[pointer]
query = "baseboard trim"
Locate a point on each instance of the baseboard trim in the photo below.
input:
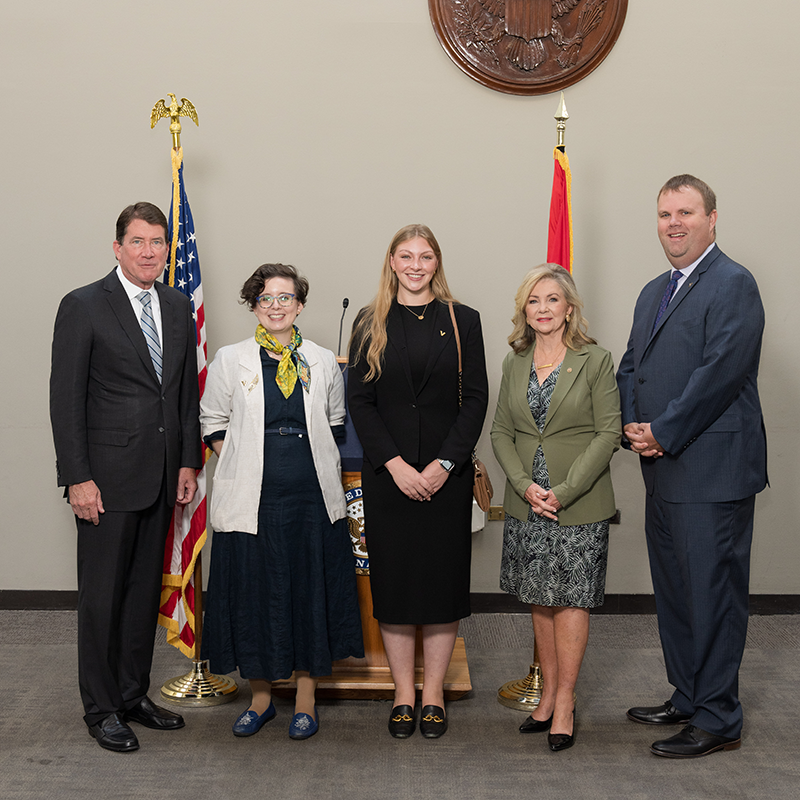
(482, 603)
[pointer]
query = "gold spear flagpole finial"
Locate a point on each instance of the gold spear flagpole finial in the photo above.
(173, 111)
(561, 118)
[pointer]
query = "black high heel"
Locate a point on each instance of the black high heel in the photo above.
(532, 725)
(562, 741)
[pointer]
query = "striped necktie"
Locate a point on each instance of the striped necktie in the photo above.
(150, 331)
(668, 292)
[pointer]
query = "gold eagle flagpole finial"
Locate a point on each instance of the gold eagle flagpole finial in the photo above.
(173, 111)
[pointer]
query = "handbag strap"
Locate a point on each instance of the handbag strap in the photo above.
(458, 345)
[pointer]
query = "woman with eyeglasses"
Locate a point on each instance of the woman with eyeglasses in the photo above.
(282, 588)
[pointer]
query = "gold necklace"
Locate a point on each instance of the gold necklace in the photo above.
(545, 366)
(418, 316)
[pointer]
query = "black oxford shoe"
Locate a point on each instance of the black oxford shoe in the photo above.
(693, 742)
(401, 722)
(113, 734)
(147, 713)
(665, 714)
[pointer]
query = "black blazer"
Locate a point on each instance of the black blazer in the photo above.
(112, 421)
(392, 418)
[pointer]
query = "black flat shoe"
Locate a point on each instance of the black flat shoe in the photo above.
(665, 714)
(112, 733)
(401, 722)
(532, 725)
(147, 713)
(433, 723)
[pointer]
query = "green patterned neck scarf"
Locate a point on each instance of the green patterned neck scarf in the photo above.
(293, 364)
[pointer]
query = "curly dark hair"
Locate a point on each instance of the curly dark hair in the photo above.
(254, 285)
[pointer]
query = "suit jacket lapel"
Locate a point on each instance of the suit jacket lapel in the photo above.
(573, 363)
(397, 340)
(687, 287)
(121, 306)
(518, 388)
(441, 335)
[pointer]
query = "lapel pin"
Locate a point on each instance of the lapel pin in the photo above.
(441, 333)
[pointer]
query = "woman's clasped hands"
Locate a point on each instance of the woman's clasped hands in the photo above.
(417, 485)
(542, 501)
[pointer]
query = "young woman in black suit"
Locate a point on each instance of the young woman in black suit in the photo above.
(418, 436)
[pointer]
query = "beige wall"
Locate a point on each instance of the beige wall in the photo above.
(324, 127)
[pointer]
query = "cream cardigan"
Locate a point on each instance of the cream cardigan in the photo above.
(233, 401)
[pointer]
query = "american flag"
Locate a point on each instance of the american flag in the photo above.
(187, 533)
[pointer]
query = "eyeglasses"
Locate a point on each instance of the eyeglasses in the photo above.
(266, 300)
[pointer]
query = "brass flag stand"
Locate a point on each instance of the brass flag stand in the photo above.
(524, 694)
(199, 687)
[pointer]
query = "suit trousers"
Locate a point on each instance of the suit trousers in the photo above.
(700, 565)
(120, 563)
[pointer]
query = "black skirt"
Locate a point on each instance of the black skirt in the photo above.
(419, 552)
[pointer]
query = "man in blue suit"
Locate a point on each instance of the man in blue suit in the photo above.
(690, 409)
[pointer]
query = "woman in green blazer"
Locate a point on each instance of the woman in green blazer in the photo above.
(556, 427)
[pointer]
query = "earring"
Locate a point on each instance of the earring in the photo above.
(567, 317)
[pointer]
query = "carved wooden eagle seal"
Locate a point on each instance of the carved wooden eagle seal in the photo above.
(527, 46)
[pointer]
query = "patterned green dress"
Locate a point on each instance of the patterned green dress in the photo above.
(543, 563)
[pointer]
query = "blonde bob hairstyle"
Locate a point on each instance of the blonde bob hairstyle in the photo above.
(575, 333)
(369, 333)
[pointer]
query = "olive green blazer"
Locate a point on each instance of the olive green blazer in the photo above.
(581, 433)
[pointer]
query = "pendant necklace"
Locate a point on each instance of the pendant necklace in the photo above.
(418, 316)
(545, 366)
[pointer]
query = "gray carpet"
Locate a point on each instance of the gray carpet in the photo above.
(45, 750)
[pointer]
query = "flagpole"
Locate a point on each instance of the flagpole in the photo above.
(182, 593)
(524, 694)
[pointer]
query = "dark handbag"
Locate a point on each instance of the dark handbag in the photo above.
(481, 485)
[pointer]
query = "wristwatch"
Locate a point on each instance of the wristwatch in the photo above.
(447, 465)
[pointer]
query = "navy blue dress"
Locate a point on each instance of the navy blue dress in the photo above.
(285, 598)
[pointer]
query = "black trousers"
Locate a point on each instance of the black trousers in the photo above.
(120, 563)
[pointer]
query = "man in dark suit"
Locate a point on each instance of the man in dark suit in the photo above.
(690, 409)
(124, 410)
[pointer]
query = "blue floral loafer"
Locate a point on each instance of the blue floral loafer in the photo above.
(249, 722)
(304, 726)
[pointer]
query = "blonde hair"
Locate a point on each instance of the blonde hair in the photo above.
(369, 334)
(575, 331)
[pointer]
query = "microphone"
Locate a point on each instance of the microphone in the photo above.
(345, 303)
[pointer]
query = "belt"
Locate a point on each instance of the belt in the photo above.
(286, 432)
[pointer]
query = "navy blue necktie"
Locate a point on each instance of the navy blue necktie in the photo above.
(668, 292)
